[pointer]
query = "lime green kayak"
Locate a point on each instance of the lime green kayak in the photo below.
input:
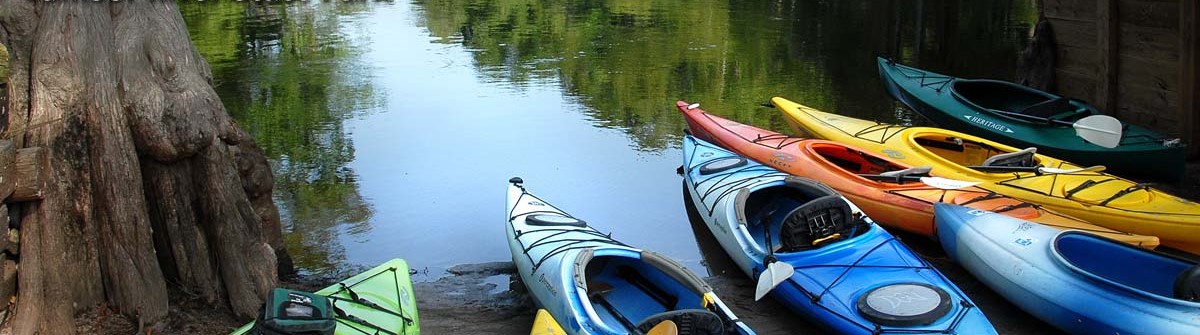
(387, 287)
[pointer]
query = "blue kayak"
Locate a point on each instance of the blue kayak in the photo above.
(850, 275)
(592, 284)
(1078, 282)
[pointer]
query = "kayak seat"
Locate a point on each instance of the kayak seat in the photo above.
(1023, 158)
(689, 321)
(1187, 285)
(816, 221)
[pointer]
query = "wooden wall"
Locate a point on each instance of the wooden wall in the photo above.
(1134, 59)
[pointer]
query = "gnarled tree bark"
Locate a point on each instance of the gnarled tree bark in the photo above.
(149, 180)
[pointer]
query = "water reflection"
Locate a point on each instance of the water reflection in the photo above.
(628, 61)
(393, 126)
(291, 75)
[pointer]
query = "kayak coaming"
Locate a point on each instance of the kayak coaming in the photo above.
(1019, 260)
(809, 291)
(561, 276)
(400, 295)
(936, 96)
(907, 206)
(1175, 221)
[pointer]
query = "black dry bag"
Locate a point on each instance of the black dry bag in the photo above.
(288, 312)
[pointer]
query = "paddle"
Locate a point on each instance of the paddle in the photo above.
(667, 327)
(938, 182)
(1102, 130)
(774, 271)
(1036, 169)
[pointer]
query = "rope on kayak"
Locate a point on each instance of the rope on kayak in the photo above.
(1131, 189)
(880, 127)
(925, 79)
(784, 140)
(721, 179)
(875, 328)
(568, 244)
(356, 299)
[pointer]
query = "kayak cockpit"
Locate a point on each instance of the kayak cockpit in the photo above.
(1006, 97)
(628, 290)
(854, 161)
(799, 215)
(977, 155)
(1119, 264)
(867, 165)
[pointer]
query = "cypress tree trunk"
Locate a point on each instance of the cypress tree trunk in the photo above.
(148, 178)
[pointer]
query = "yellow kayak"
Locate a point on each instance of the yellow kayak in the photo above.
(1086, 193)
(544, 324)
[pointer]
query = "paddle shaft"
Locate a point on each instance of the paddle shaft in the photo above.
(1049, 120)
(1030, 117)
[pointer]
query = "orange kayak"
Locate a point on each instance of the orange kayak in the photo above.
(887, 191)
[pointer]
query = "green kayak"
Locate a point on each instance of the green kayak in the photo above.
(1023, 117)
(387, 287)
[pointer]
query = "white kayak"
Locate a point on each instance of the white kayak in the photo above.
(1078, 282)
(592, 284)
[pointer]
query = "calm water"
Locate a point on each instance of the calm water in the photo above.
(394, 126)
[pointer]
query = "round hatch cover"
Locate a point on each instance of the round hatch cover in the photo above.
(904, 304)
(553, 220)
(722, 164)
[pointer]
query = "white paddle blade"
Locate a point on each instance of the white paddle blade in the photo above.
(947, 184)
(1086, 169)
(1102, 130)
(775, 274)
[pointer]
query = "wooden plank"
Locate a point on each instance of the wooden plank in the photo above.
(27, 171)
(1149, 74)
(1078, 60)
(1189, 84)
(8, 156)
(1149, 107)
(1078, 10)
(1075, 85)
(1074, 34)
(1149, 13)
(1149, 43)
(1106, 47)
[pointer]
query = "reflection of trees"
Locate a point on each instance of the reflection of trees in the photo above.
(629, 60)
(291, 78)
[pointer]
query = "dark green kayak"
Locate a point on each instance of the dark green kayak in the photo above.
(1023, 117)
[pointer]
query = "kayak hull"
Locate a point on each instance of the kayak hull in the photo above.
(1018, 260)
(907, 206)
(1133, 208)
(829, 281)
(387, 285)
(938, 98)
(592, 284)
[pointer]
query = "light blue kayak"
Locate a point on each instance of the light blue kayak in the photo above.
(1078, 282)
(592, 284)
(846, 273)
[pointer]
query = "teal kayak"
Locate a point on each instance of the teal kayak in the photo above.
(592, 284)
(1024, 117)
(377, 301)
